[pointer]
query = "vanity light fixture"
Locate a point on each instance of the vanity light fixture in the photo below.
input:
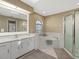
(13, 7)
(7, 4)
(20, 9)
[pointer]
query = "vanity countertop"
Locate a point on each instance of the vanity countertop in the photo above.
(12, 33)
(7, 37)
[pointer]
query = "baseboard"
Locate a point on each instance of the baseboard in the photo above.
(28, 53)
(69, 53)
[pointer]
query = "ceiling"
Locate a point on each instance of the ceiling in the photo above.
(49, 7)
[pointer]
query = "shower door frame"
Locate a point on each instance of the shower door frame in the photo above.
(73, 30)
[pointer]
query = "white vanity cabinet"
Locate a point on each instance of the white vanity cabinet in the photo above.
(24, 46)
(31, 44)
(16, 46)
(27, 45)
(21, 47)
(5, 51)
(15, 49)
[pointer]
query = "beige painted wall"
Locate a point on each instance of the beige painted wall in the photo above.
(4, 23)
(33, 18)
(54, 23)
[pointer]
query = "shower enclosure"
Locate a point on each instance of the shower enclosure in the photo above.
(71, 31)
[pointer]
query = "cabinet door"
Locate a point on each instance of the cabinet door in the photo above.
(4, 51)
(24, 46)
(15, 48)
(31, 44)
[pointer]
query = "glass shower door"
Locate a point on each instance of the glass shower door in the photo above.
(69, 33)
(76, 34)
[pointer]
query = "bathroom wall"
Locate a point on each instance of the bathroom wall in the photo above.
(33, 18)
(54, 23)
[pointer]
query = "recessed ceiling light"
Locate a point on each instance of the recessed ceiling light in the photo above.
(44, 12)
(34, 1)
(77, 4)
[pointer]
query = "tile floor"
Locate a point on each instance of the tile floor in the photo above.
(46, 54)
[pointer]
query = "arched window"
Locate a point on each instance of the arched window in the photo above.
(39, 25)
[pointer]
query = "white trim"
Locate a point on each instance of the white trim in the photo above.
(28, 23)
(63, 24)
(63, 30)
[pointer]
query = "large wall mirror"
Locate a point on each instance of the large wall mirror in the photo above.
(13, 18)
